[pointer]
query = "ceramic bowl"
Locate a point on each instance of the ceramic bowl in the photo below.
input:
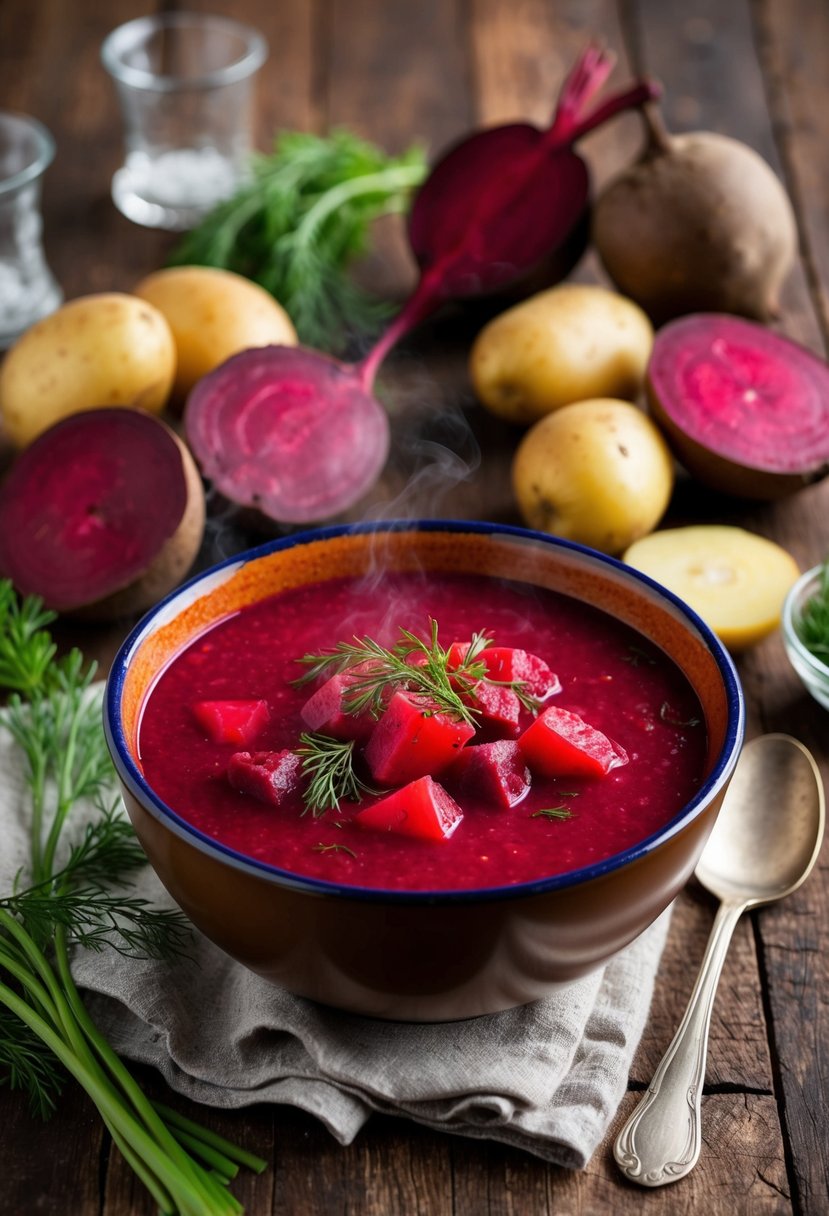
(421, 955)
(813, 673)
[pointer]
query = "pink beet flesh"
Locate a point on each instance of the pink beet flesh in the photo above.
(89, 505)
(287, 431)
(743, 392)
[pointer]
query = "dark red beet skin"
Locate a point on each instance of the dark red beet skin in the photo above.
(89, 506)
(502, 199)
(746, 410)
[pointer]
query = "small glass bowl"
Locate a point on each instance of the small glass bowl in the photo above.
(812, 671)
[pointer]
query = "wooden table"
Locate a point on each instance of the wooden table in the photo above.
(397, 71)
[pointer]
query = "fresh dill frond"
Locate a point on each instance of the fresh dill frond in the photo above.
(334, 848)
(26, 1063)
(328, 764)
(299, 222)
(412, 664)
(26, 648)
(94, 918)
(553, 812)
(54, 717)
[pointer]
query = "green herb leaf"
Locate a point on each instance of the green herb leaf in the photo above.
(334, 848)
(813, 625)
(26, 1063)
(299, 223)
(44, 1026)
(553, 812)
(412, 664)
(26, 649)
(329, 766)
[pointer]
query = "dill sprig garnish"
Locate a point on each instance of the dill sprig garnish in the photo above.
(45, 1029)
(329, 766)
(26, 649)
(334, 848)
(553, 812)
(413, 664)
(813, 624)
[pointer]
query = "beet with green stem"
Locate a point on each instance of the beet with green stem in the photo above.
(504, 198)
(744, 409)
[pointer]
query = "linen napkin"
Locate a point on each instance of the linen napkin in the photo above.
(546, 1077)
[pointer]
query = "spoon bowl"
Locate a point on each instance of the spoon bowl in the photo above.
(768, 833)
(763, 846)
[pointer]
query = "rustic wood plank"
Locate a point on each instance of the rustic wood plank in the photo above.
(288, 95)
(253, 1129)
(738, 1047)
(793, 41)
(741, 1170)
(53, 1161)
(712, 85)
(380, 83)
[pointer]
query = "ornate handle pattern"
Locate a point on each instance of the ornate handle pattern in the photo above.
(661, 1140)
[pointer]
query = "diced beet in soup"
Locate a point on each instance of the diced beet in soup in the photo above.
(611, 678)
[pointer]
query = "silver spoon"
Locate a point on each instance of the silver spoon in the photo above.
(763, 846)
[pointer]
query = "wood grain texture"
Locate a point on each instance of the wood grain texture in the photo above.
(793, 44)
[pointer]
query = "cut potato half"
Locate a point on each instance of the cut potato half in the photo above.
(735, 580)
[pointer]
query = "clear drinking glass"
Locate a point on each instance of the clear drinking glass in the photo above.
(28, 290)
(184, 82)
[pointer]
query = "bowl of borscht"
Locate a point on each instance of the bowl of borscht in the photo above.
(423, 771)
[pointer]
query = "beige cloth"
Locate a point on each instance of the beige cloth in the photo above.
(547, 1077)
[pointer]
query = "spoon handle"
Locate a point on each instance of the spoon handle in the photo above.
(661, 1140)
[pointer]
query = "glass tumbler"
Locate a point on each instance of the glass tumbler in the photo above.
(185, 84)
(28, 290)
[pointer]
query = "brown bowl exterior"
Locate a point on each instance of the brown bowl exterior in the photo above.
(422, 957)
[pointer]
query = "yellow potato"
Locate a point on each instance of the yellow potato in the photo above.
(571, 343)
(736, 581)
(213, 314)
(108, 349)
(597, 472)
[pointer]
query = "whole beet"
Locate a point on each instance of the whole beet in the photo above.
(701, 223)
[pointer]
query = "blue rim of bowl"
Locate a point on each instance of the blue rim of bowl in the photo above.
(134, 780)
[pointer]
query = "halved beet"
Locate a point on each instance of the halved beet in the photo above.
(287, 431)
(102, 515)
(745, 410)
(501, 199)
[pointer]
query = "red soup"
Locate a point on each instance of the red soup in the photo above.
(576, 738)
